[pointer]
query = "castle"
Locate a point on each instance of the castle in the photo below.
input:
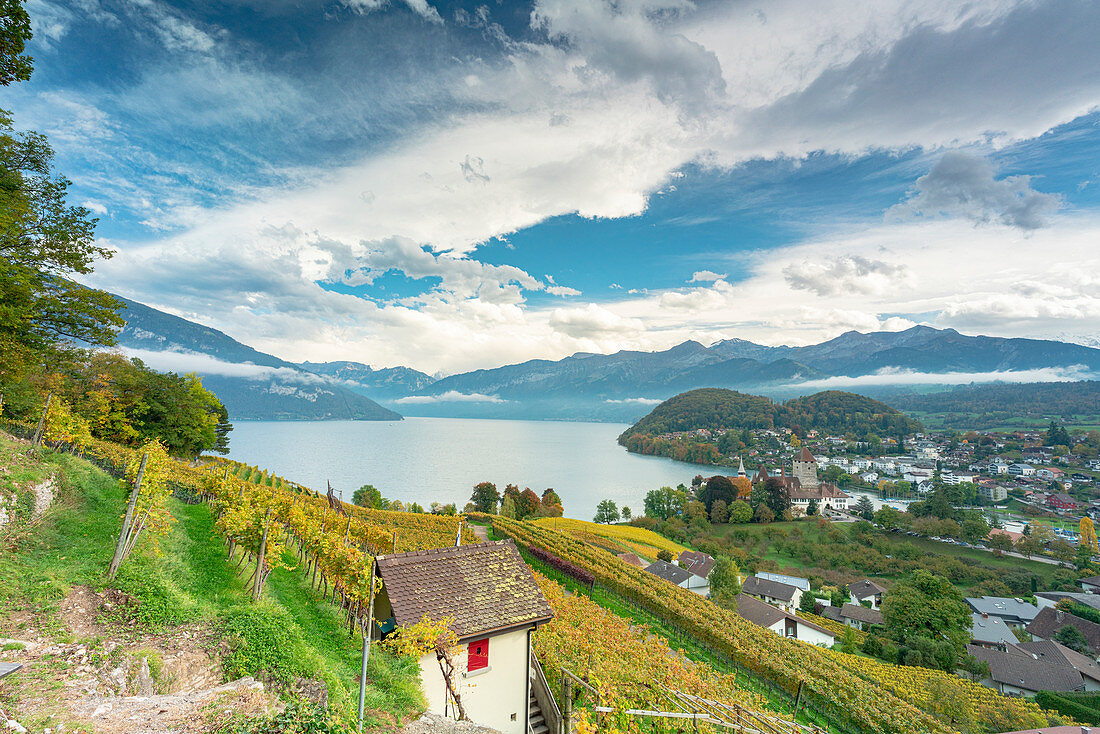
(803, 485)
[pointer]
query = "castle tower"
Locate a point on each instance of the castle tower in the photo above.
(741, 467)
(804, 468)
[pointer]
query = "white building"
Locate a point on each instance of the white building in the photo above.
(1021, 470)
(495, 674)
(679, 577)
(782, 622)
(992, 493)
(774, 593)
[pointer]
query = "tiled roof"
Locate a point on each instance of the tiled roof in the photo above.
(1090, 580)
(861, 613)
(668, 572)
(805, 455)
(766, 615)
(795, 581)
(1050, 620)
(1022, 670)
(697, 562)
(486, 587)
(1055, 652)
(766, 587)
(865, 588)
(1091, 600)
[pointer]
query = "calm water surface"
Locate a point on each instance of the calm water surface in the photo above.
(440, 459)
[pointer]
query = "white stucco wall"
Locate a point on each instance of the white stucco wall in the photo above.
(490, 696)
(804, 633)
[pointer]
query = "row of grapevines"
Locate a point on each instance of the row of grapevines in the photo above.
(968, 705)
(837, 628)
(787, 662)
(631, 534)
(627, 665)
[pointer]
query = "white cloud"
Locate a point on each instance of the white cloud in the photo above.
(451, 396)
(963, 185)
(182, 362)
(95, 207)
(420, 7)
(635, 401)
(845, 274)
(898, 376)
(706, 276)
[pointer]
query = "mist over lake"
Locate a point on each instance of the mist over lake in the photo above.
(429, 460)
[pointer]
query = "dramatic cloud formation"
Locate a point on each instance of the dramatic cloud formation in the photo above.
(380, 180)
(963, 185)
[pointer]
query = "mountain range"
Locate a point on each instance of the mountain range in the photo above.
(250, 383)
(585, 386)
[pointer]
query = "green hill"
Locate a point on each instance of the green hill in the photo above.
(718, 409)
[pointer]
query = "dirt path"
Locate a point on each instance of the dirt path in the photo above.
(481, 531)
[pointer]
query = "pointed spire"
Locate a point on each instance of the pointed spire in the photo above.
(740, 466)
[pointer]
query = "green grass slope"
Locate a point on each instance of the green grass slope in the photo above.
(290, 633)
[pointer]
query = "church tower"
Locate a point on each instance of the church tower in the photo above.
(804, 468)
(741, 467)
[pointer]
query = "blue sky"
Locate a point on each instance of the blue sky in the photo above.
(454, 186)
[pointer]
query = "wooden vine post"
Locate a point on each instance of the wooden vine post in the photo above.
(42, 422)
(366, 624)
(258, 582)
(127, 521)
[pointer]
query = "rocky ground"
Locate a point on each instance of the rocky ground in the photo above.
(91, 676)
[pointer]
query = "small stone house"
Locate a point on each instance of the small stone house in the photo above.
(496, 605)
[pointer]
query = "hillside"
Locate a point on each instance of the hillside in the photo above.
(251, 384)
(985, 407)
(716, 409)
(174, 631)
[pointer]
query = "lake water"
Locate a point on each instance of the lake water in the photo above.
(429, 460)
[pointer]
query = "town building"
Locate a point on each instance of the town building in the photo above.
(1013, 612)
(773, 592)
(991, 632)
(866, 590)
(495, 603)
(679, 577)
(782, 622)
(992, 493)
(1013, 672)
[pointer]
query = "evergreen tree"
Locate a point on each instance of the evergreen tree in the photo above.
(865, 508)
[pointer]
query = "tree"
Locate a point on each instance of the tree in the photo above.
(485, 497)
(865, 508)
(529, 503)
(662, 503)
(811, 507)
(807, 603)
(718, 487)
(664, 555)
(1042, 535)
(764, 513)
(740, 512)
(724, 582)
(1026, 545)
(148, 503)
(1057, 435)
(974, 527)
(1087, 536)
(551, 505)
(625, 512)
(1072, 638)
(744, 487)
(1062, 550)
(925, 605)
(776, 496)
(368, 496)
(606, 512)
(719, 513)
(15, 31)
(1000, 542)
(44, 242)
(508, 507)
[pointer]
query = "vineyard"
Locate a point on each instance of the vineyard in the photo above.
(615, 538)
(871, 696)
(630, 668)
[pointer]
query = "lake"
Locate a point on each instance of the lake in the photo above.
(429, 460)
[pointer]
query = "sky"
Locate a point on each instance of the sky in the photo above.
(453, 186)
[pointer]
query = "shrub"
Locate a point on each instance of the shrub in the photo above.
(153, 602)
(264, 641)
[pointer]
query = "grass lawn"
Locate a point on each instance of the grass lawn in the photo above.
(191, 581)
